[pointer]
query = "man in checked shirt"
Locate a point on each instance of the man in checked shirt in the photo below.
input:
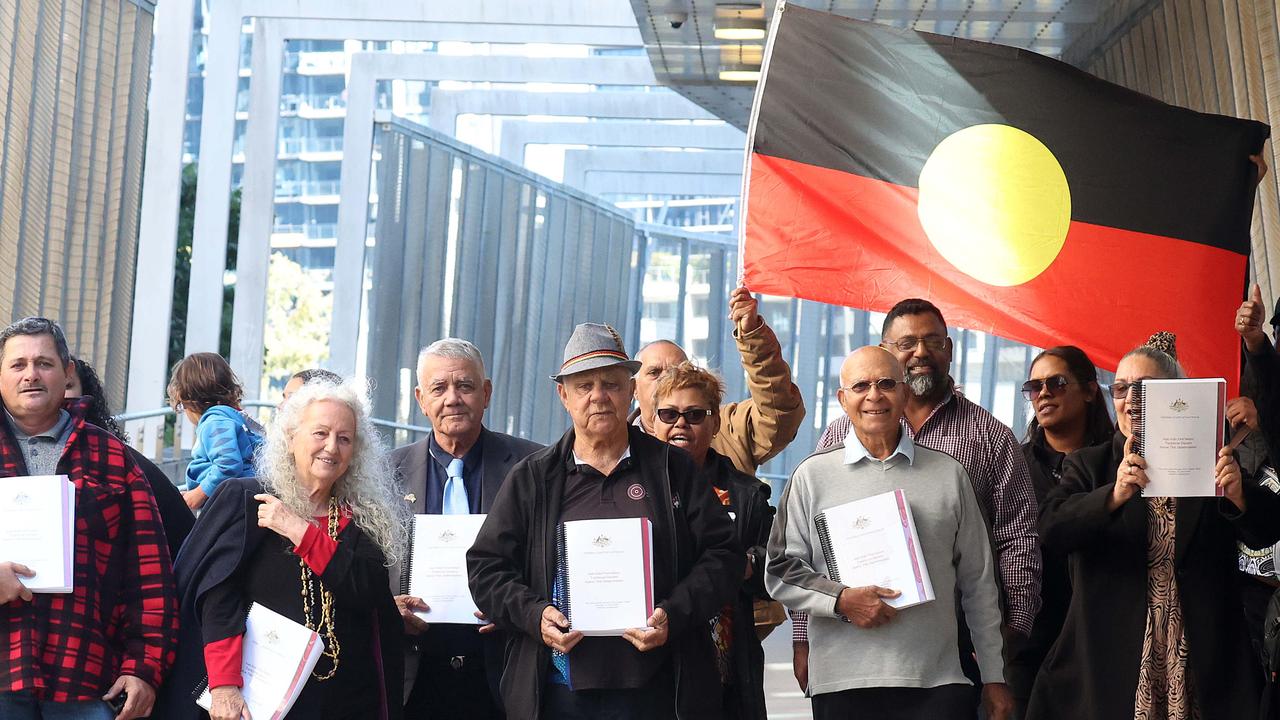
(940, 419)
(110, 639)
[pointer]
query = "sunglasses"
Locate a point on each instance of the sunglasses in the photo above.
(1120, 390)
(1031, 389)
(693, 416)
(862, 387)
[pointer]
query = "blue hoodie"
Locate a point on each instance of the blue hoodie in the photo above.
(225, 442)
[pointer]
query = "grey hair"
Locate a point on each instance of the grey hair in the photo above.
(38, 326)
(368, 489)
(454, 348)
(1168, 367)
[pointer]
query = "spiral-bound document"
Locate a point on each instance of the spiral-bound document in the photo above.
(37, 529)
(873, 541)
(279, 655)
(1178, 428)
(609, 571)
(437, 571)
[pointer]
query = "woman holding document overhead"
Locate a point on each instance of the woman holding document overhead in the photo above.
(606, 557)
(310, 540)
(1154, 628)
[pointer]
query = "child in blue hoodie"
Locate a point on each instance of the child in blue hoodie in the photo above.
(206, 390)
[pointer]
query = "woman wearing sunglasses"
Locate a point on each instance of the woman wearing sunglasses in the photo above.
(1154, 628)
(1070, 413)
(686, 415)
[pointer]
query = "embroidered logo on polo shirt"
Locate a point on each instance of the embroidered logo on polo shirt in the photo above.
(636, 491)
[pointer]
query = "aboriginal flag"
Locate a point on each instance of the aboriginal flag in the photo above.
(1023, 196)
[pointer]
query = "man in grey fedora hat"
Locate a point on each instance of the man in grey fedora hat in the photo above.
(602, 468)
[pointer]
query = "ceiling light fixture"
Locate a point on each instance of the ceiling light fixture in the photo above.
(739, 26)
(740, 69)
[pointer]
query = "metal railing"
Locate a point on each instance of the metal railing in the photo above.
(150, 423)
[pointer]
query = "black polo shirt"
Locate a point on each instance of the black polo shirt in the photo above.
(597, 663)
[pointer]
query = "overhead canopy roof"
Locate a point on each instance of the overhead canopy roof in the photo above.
(690, 58)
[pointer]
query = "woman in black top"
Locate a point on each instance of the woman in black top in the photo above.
(312, 540)
(687, 404)
(1070, 413)
(83, 382)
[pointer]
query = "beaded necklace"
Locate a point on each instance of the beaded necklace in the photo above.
(325, 625)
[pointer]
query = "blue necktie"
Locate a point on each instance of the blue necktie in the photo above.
(455, 491)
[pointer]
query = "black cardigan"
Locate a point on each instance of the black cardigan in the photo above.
(225, 540)
(1092, 669)
(697, 570)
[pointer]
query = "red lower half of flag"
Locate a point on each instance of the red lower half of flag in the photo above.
(834, 237)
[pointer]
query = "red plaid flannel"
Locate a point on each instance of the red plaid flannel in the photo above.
(122, 617)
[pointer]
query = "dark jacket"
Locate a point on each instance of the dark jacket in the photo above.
(1262, 370)
(1092, 670)
(754, 519)
(500, 452)
(174, 513)
(697, 568)
(223, 541)
(1026, 655)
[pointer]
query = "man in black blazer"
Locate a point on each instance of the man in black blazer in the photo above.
(452, 671)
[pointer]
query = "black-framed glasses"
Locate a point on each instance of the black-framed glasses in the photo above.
(693, 416)
(932, 343)
(862, 387)
(1120, 390)
(1031, 389)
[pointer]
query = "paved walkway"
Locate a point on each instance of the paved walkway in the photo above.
(782, 695)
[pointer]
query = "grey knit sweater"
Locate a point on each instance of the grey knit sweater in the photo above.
(918, 648)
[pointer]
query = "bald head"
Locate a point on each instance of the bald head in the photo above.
(872, 361)
(873, 411)
(654, 358)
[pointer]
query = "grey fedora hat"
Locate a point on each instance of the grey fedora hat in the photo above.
(594, 345)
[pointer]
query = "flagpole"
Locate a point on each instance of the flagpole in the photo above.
(778, 12)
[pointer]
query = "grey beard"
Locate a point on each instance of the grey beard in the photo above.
(922, 385)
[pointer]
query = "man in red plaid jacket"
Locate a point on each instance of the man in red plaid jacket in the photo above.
(113, 637)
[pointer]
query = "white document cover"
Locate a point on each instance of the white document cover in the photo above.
(438, 566)
(873, 541)
(37, 529)
(609, 571)
(279, 655)
(1179, 431)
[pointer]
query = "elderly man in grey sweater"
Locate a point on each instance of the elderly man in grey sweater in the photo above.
(866, 658)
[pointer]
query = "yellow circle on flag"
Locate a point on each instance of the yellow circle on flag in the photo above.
(995, 203)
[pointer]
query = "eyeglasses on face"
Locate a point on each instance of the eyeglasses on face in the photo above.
(1031, 389)
(932, 343)
(693, 416)
(1120, 390)
(862, 387)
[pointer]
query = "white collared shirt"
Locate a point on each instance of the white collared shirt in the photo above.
(854, 451)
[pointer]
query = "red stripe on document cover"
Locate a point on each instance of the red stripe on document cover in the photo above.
(299, 677)
(904, 514)
(646, 542)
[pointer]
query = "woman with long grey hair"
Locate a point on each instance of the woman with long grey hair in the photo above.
(312, 539)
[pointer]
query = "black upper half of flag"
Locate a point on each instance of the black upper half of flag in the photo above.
(875, 101)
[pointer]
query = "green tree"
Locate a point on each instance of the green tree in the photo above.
(297, 325)
(182, 268)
